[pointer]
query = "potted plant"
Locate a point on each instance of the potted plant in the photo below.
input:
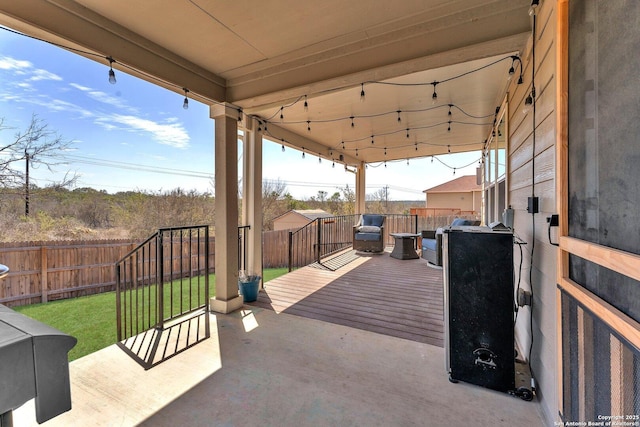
(248, 285)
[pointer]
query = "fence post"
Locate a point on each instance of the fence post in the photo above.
(43, 274)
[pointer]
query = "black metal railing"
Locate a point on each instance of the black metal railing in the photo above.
(325, 236)
(163, 278)
(242, 246)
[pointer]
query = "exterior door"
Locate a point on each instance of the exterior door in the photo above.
(598, 194)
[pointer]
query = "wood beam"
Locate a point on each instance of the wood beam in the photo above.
(289, 84)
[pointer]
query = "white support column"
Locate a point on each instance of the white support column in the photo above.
(252, 195)
(226, 203)
(360, 189)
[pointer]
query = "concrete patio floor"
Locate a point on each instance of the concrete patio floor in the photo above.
(263, 368)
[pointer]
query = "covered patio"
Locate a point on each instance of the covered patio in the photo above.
(268, 367)
(364, 83)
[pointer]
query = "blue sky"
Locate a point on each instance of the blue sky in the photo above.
(136, 136)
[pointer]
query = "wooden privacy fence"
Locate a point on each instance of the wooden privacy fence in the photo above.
(51, 270)
(433, 218)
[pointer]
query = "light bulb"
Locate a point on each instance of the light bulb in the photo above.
(112, 74)
(528, 102)
(185, 104)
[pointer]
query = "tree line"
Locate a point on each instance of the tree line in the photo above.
(60, 211)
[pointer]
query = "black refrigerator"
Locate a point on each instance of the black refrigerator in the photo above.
(479, 306)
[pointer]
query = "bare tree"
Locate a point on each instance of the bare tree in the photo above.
(37, 145)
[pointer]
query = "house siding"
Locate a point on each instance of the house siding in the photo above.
(532, 172)
(290, 220)
(466, 201)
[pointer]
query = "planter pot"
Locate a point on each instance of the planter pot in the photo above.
(249, 289)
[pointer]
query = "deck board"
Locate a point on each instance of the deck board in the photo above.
(377, 293)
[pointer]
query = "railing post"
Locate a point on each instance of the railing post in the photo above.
(206, 269)
(318, 239)
(118, 304)
(160, 281)
(290, 250)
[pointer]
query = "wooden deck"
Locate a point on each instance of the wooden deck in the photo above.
(374, 292)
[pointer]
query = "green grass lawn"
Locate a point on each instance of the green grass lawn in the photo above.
(92, 319)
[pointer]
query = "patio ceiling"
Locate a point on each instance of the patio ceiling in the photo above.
(278, 53)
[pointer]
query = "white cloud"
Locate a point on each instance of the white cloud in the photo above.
(103, 97)
(8, 63)
(25, 68)
(40, 74)
(170, 133)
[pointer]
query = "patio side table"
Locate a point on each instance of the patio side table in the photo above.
(405, 244)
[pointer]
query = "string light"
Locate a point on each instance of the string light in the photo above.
(303, 152)
(319, 159)
(309, 125)
(449, 113)
(112, 74)
(372, 141)
(333, 165)
(306, 104)
(399, 119)
(352, 123)
(534, 7)
(528, 102)
(185, 104)
(283, 148)
(512, 69)
(407, 162)
(449, 127)
(434, 97)
(454, 171)
(281, 113)
(362, 92)
(448, 148)
(407, 132)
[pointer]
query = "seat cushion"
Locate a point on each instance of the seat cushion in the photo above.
(369, 229)
(461, 221)
(375, 220)
(430, 244)
(367, 236)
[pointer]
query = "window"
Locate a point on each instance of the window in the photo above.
(495, 170)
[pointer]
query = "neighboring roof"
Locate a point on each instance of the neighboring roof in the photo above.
(310, 214)
(313, 213)
(463, 184)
